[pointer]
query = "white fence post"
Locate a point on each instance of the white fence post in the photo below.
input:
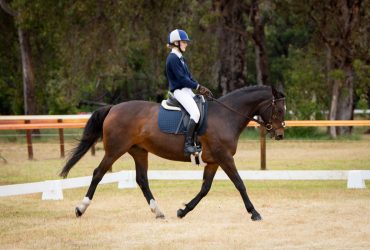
(127, 179)
(53, 190)
(355, 179)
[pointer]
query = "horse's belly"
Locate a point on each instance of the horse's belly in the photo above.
(167, 146)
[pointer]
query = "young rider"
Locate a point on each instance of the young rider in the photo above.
(181, 84)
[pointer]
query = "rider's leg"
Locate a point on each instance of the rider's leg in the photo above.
(185, 97)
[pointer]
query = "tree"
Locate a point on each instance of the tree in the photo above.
(11, 90)
(258, 22)
(337, 23)
(27, 67)
(232, 44)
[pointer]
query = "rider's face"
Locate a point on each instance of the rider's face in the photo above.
(183, 45)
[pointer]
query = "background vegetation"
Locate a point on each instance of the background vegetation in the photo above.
(86, 53)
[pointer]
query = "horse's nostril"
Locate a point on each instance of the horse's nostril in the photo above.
(279, 137)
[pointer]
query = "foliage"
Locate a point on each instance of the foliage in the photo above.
(362, 80)
(304, 82)
(11, 94)
(111, 51)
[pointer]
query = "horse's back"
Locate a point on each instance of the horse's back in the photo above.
(129, 117)
(134, 110)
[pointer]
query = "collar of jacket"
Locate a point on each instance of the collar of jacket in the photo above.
(176, 52)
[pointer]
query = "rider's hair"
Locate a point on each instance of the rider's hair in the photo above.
(172, 45)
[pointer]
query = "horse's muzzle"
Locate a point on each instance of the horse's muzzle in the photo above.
(279, 134)
(279, 137)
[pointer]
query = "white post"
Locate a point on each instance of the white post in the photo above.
(355, 179)
(53, 190)
(127, 179)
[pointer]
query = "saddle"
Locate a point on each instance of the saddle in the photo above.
(173, 118)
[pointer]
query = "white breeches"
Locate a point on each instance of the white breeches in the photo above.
(185, 97)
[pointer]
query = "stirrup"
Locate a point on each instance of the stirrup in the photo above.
(196, 159)
(194, 150)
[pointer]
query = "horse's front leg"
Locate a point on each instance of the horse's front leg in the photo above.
(208, 175)
(228, 165)
(141, 164)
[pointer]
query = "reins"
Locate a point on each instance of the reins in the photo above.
(237, 112)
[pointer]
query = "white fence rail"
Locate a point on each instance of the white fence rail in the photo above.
(53, 189)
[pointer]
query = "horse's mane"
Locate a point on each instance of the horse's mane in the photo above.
(250, 89)
(246, 90)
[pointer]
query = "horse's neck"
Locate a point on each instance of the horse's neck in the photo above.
(246, 106)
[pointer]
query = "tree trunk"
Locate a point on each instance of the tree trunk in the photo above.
(259, 43)
(232, 43)
(346, 100)
(28, 76)
(334, 92)
(334, 107)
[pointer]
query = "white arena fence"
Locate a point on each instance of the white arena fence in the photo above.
(53, 189)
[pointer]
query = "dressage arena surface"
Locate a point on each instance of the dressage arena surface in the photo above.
(295, 217)
(296, 214)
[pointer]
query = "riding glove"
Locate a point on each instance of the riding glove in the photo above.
(204, 91)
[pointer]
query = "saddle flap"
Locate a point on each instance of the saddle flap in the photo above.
(174, 120)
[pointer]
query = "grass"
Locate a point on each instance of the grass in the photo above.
(281, 155)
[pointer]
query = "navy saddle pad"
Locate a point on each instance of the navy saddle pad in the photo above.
(175, 122)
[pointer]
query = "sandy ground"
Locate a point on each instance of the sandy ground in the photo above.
(296, 215)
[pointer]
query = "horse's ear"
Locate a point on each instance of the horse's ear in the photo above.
(274, 91)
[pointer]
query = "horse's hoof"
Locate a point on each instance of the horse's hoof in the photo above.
(78, 212)
(256, 216)
(181, 213)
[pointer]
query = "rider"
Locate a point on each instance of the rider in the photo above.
(181, 84)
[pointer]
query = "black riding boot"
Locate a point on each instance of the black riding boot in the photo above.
(189, 147)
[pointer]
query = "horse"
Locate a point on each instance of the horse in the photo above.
(132, 127)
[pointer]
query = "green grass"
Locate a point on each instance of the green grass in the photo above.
(305, 133)
(289, 154)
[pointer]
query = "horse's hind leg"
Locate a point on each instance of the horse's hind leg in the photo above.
(208, 175)
(141, 164)
(98, 174)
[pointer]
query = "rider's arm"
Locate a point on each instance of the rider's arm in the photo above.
(177, 74)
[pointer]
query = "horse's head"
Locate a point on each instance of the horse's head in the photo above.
(273, 114)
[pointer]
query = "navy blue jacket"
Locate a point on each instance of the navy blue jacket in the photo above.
(178, 74)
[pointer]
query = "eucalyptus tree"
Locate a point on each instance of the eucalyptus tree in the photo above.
(338, 25)
(232, 39)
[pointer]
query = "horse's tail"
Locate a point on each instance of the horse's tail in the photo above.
(92, 132)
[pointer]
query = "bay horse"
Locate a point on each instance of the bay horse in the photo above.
(133, 127)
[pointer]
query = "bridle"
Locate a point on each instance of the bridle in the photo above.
(268, 125)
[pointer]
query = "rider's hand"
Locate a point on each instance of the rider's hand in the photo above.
(204, 91)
